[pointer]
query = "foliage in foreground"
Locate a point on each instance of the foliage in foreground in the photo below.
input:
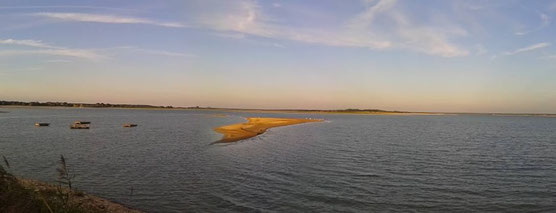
(25, 196)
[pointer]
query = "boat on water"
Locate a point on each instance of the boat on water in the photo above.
(80, 125)
(129, 125)
(42, 124)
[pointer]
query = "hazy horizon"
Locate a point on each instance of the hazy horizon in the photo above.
(434, 56)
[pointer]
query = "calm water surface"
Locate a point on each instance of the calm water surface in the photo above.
(351, 163)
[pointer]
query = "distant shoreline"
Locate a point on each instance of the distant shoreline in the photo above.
(293, 111)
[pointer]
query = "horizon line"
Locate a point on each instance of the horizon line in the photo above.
(131, 106)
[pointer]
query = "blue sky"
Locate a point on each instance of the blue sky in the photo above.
(451, 56)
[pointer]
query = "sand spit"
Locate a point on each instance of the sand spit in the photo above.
(256, 126)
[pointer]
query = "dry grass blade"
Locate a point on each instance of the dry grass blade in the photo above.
(2, 171)
(63, 174)
(6, 161)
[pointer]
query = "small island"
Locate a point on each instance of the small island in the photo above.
(256, 126)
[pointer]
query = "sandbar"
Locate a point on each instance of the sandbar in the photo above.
(256, 126)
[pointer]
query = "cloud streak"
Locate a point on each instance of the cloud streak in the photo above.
(108, 19)
(47, 49)
(552, 57)
(29, 43)
(403, 33)
(84, 54)
(246, 17)
(528, 48)
(545, 21)
(155, 52)
(64, 7)
(42, 48)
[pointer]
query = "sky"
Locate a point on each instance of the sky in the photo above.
(427, 55)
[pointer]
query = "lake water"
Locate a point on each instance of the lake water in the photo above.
(350, 163)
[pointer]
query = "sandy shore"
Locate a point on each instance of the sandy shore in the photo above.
(86, 201)
(256, 126)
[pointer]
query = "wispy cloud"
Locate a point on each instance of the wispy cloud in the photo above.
(64, 7)
(545, 21)
(230, 35)
(244, 38)
(552, 57)
(47, 49)
(29, 43)
(42, 48)
(528, 48)
(247, 17)
(58, 61)
(84, 54)
(109, 19)
(403, 33)
(480, 49)
(155, 52)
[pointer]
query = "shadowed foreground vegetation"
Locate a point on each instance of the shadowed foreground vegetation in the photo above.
(22, 196)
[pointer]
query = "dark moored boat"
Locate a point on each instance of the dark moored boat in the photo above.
(130, 125)
(41, 124)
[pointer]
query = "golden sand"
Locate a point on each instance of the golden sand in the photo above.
(256, 126)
